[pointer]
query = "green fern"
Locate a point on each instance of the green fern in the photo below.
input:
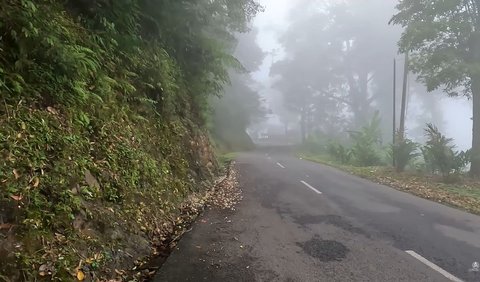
(440, 155)
(403, 152)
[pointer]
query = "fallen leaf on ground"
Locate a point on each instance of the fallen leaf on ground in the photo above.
(52, 110)
(60, 237)
(16, 173)
(17, 198)
(80, 275)
(5, 226)
(119, 272)
(36, 182)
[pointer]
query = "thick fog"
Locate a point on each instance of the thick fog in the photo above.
(297, 38)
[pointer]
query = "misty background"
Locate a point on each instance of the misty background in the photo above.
(291, 45)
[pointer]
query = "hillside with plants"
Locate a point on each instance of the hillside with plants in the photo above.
(103, 117)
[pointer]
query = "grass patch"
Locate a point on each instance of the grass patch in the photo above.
(225, 159)
(464, 195)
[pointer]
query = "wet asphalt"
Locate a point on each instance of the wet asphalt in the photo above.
(354, 230)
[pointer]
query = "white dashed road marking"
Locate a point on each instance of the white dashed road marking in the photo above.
(311, 187)
(434, 266)
(280, 165)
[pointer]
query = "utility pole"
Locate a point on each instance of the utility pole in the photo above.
(394, 105)
(404, 98)
(303, 118)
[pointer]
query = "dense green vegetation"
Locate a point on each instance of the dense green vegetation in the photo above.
(435, 170)
(438, 156)
(102, 124)
(443, 38)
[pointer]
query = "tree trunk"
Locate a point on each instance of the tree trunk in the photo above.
(404, 99)
(475, 169)
(475, 77)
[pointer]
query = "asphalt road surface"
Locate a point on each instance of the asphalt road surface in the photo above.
(302, 221)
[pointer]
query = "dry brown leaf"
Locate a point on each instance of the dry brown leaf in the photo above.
(17, 198)
(52, 110)
(36, 182)
(16, 173)
(60, 237)
(80, 275)
(5, 226)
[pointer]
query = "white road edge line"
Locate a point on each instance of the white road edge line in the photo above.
(280, 165)
(311, 187)
(433, 266)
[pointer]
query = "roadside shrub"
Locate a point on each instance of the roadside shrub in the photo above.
(339, 152)
(462, 159)
(440, 155)
(403, 152)
(366, 143)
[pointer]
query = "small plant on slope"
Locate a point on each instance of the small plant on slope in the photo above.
(366, 143)
(403, 152)
(339, 152)
(440, 155)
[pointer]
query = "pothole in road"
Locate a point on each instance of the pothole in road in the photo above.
(325, 250)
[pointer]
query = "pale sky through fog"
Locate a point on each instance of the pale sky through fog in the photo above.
(271, 24)
(275, 20)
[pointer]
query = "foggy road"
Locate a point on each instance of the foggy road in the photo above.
(302, 221)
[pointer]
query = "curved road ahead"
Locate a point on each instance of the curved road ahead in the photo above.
(302, 221)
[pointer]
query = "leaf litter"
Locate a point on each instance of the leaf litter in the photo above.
(464, 195)
(225, 195)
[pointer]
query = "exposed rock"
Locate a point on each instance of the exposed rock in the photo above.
(91, 180)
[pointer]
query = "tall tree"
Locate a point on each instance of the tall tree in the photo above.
(443, 38)
(330, 49)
